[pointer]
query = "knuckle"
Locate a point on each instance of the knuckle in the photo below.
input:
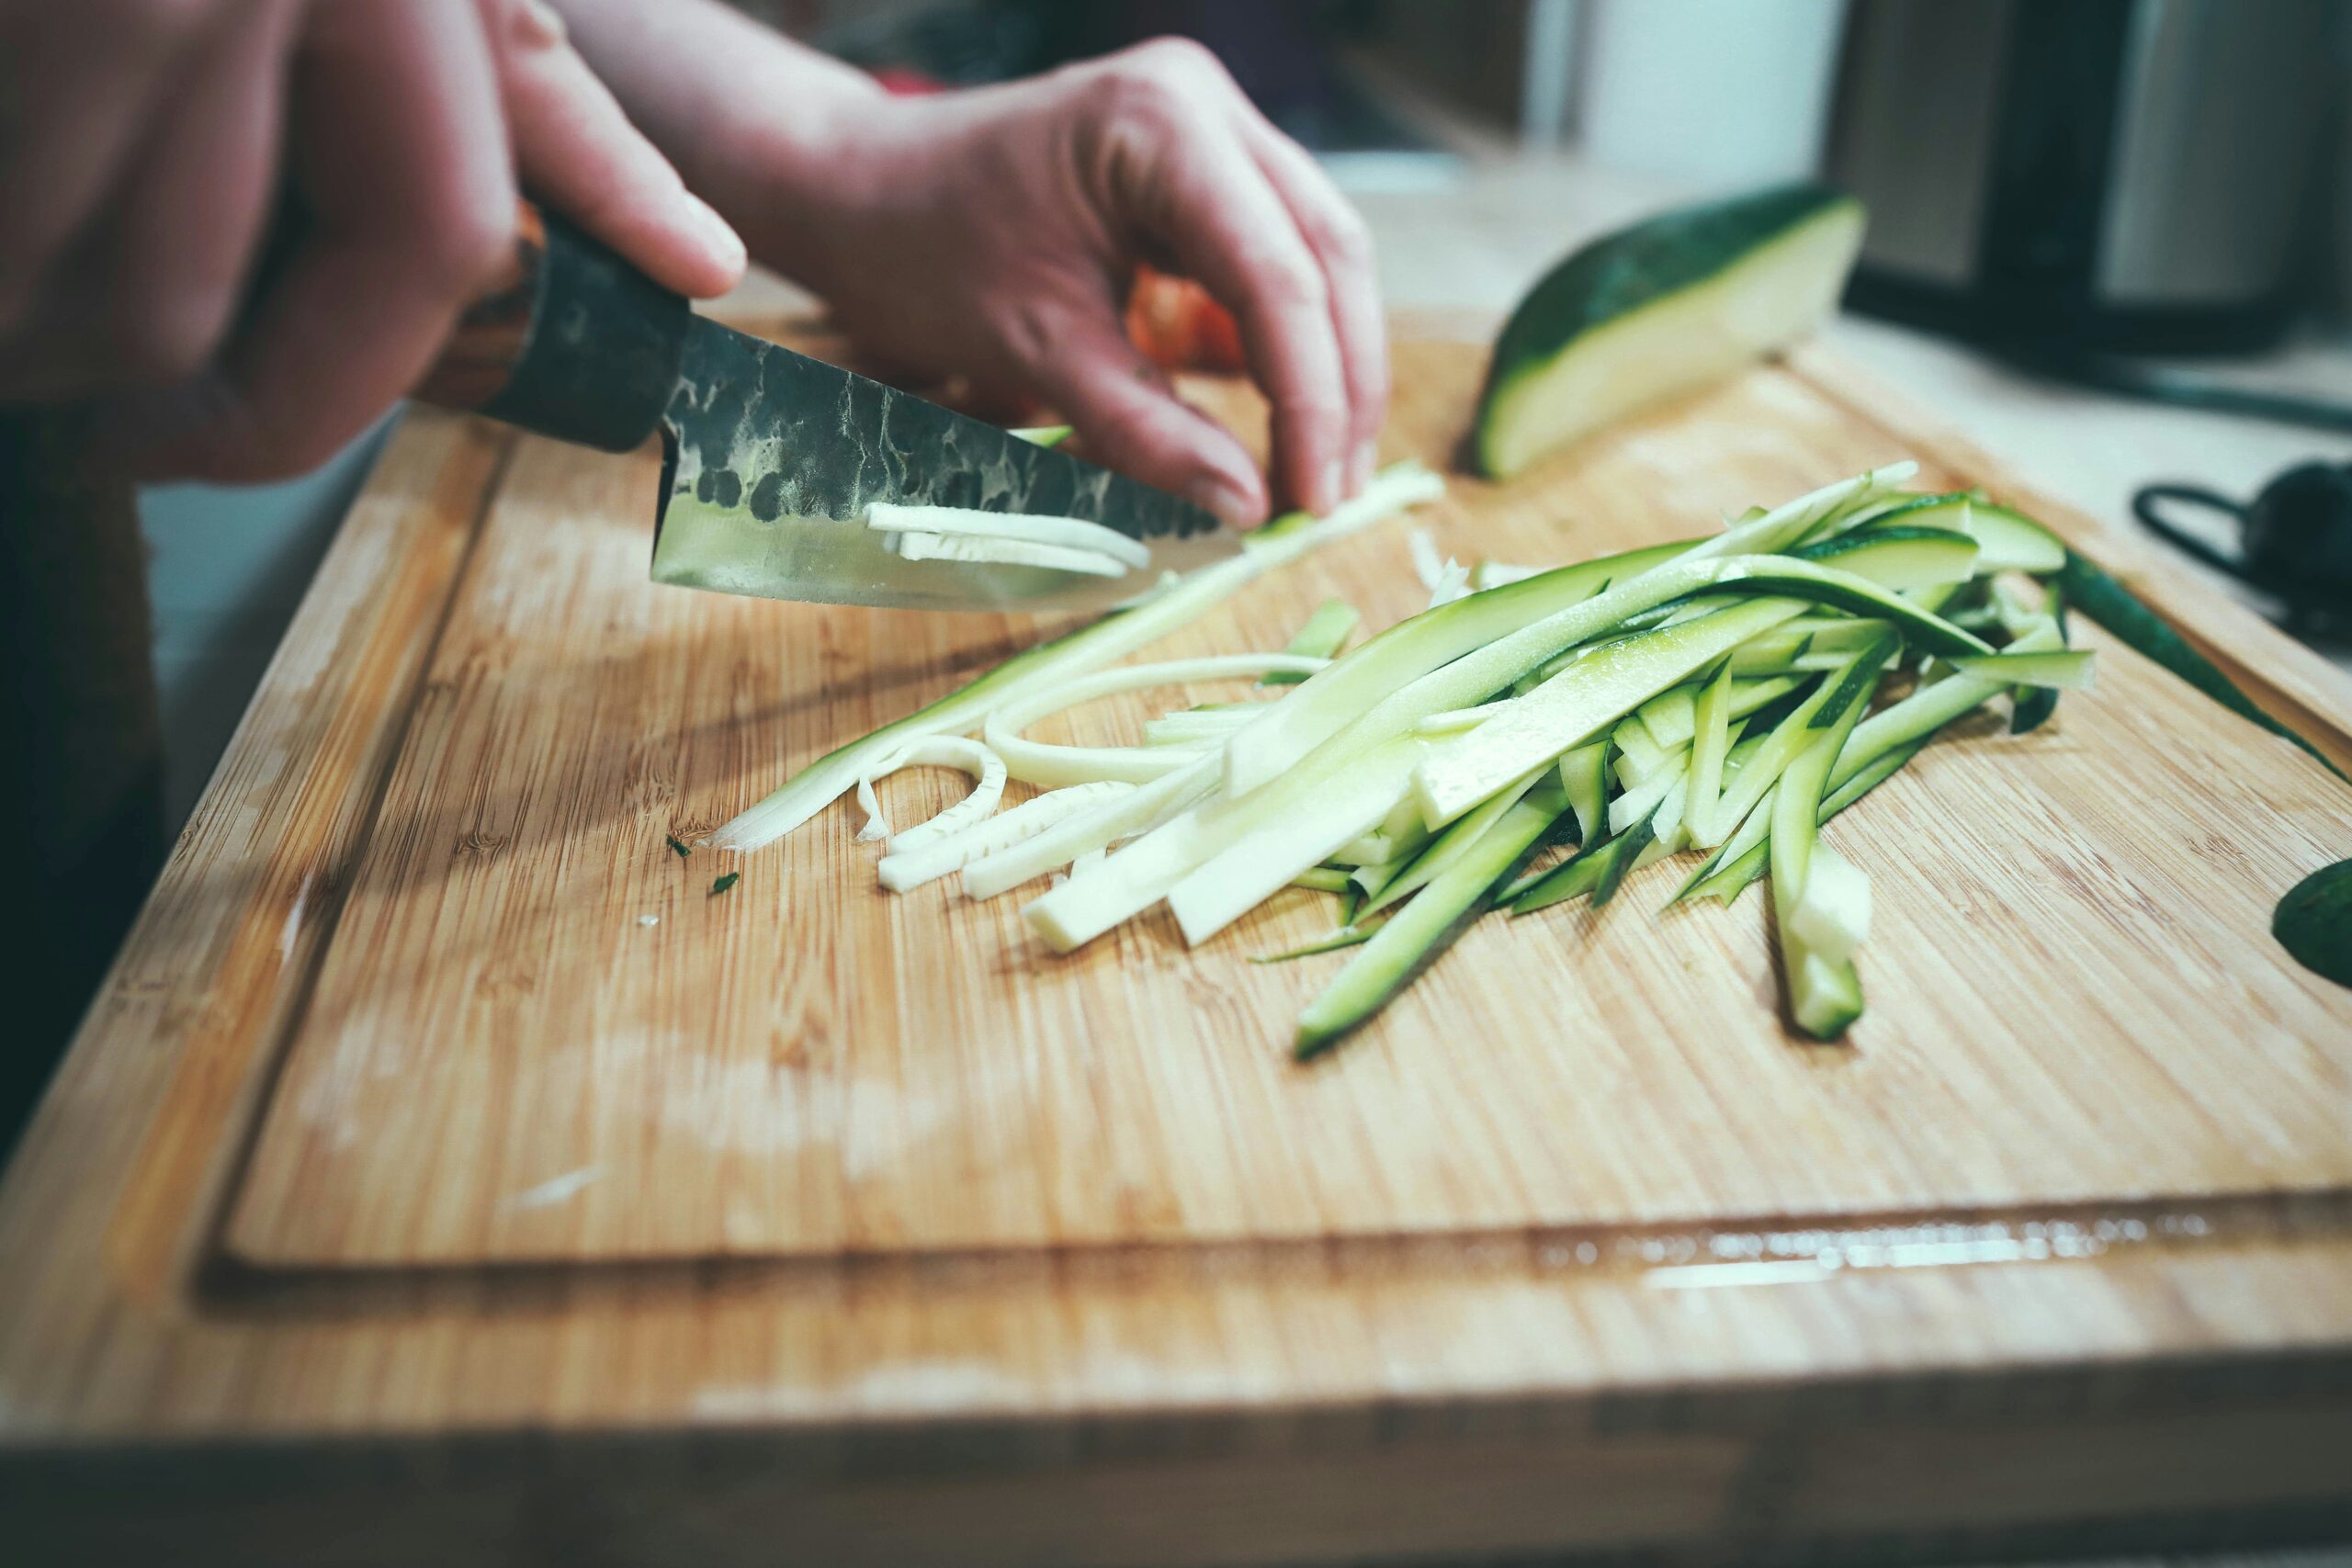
(1344, 237)
(1129, 95)
(1180, 56)
(1023, 329)
(1322, 417)
(1167, 80)
(459, 249)
(167, 334)
(530, 25)
(1291, 283)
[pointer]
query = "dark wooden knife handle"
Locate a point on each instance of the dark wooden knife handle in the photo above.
(570, 341)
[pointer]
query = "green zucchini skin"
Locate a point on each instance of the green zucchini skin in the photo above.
(2090, 590)
(1728, 883)
(2030, 707)
(1624, 275)
(1420, 932)
(2313, 922)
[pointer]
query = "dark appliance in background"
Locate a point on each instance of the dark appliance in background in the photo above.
(2131, 175)
(2077, 185)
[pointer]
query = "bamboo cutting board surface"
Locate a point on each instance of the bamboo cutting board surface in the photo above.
(345, 990)
(535, 1037)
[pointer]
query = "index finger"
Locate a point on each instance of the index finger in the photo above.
(1343, 247)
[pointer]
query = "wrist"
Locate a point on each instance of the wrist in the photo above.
(798, 172)
(758, 126)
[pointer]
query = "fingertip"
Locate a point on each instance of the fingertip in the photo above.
(724, 257)
(1327, 489)
(1312, 446)
(1237, 490)
(1233, 505)
(1129, 417)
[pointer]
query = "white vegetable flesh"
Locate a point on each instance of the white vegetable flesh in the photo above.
(1051, 765)
(1007, 552)
(1833, 913)
(1066, 532)
(903, 868)
(1142, 808)
(1183, 601)
(983, 762)
(1190, 728)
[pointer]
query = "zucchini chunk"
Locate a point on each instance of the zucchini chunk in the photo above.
(1662, 308)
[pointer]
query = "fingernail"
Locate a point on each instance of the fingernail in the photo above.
(1327, 495)
(1222, 497)
(1366, 459)
(726, 245)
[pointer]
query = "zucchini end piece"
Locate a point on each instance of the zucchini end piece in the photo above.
(1825, 995)
(1661, 308)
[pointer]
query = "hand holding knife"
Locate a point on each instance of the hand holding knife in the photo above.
(992, 231)
(771, 457)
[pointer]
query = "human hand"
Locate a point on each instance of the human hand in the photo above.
(141, 148)
(994, 231)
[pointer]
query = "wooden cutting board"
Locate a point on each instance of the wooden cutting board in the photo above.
(435, 1094)
(538, 1036)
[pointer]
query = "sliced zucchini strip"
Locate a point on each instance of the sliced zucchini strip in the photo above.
(1072, 533)
(1088, 647)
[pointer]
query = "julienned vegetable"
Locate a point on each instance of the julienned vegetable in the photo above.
(960, 533)
(1091, 647)
(1723, 694)
(1325, 633)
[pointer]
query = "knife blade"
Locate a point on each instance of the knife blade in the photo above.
(770, 457)
(773, 457)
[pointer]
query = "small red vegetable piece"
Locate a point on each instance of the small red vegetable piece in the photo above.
(1174, 323)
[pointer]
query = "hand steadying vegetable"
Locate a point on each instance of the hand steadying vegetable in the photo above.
(993, 231)
(143, 143)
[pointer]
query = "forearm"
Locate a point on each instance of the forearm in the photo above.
(761, 127)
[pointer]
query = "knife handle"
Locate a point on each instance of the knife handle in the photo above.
(570, 341)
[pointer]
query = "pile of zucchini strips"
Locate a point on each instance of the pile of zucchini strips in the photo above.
(1531, 739)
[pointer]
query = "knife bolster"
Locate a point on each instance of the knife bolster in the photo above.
(571, 342)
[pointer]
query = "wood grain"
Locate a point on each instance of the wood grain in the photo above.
(2074, 994)
(2023, 1371)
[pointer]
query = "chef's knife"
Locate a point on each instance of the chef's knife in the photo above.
(771, 457)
